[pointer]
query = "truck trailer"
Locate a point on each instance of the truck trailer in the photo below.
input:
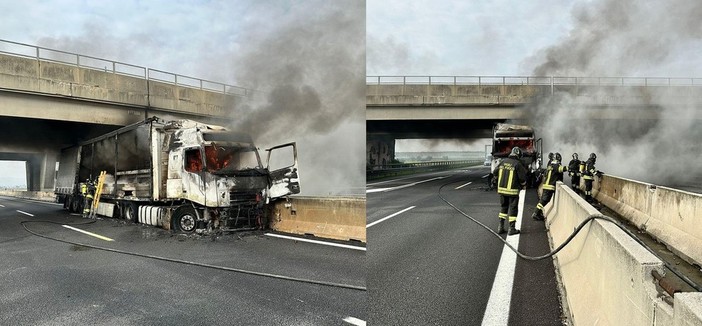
(181, 175)
(507, 136)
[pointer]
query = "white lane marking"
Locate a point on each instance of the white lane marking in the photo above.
(1, 205)
(316, 241)
(463, 185)
(368, 191)
(390, 216)
(497, 311)
(355, 321)
(88, 233)
(404, 186)
(25, 213)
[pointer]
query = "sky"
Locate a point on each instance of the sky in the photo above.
(306, 56)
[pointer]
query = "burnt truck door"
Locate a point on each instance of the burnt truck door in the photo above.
(282, 167)
(193, 178)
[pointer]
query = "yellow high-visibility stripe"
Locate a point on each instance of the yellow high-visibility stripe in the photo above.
(509, 180)
(548, 177)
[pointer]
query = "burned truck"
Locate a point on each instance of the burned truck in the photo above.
(507, 136)
(181, 175)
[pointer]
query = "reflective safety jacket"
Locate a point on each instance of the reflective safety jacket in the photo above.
(83, 189)
(553, 173)
(589, 170)
(511, 176)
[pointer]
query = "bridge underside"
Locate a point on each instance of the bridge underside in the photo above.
(38, 142)
(431, 129)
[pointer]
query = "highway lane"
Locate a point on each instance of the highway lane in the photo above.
(48, 282)
(429, 265)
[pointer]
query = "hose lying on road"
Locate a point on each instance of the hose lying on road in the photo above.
(191, 263)
(572, 235)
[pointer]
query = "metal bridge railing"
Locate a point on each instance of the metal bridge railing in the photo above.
(116, 67)
(532, 80)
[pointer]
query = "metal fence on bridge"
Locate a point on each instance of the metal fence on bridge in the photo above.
(532, 80)
(116, 67)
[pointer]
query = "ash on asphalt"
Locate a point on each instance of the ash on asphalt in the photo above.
(156, 233)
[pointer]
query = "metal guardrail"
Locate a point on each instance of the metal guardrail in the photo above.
(532, 80)
(116, 67)
(377, 171)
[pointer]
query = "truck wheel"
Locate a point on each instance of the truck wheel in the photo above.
(184, 219)
(130, 212)
(75, 204)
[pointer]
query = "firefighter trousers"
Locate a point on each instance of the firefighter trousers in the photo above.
(546, 196)
(588, 187)
(509, 206)
(575, 181)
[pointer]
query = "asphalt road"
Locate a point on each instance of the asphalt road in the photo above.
(45, 282)
(430, 265)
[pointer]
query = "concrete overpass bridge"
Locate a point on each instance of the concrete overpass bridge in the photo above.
(402, 107)
(50, 99)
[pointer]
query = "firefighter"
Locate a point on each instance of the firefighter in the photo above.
(551, 176)
(588, 174)
(87, 189)
(574, 172)
(511, 177)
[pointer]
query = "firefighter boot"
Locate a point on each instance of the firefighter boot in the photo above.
(538, 215)
(512, 229)
(501, 226)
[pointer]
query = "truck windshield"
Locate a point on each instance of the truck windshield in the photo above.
(230, 159)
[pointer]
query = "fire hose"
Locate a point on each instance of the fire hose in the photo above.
(582, 224)
(191, 263)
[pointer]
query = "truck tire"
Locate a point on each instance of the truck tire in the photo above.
(130, 211)
(184, 219)
(75, 205)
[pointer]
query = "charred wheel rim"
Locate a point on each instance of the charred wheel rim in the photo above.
(186, 222)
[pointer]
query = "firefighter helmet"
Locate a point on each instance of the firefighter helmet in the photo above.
(575, 156)
(516, 151)
(593, 156)
(550, 156)
(557, 157)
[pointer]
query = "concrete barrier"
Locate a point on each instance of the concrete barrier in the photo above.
(36, 195)
(605, 275)
(339, 218)
(669, 215)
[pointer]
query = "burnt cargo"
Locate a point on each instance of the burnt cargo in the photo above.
(180, 174)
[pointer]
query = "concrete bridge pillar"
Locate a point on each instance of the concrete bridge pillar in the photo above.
(41, 171)
(380, 149)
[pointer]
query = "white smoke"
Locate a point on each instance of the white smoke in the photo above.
(657, 139)
(310, 77)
